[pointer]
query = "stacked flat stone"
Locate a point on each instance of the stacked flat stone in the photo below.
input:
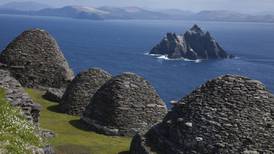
(230, 114)
(17, 96)
(80, 91)
(35, 60)
(54, 94)
(123, 106)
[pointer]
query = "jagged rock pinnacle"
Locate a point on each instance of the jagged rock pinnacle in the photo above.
(194, 44)
(196, 28)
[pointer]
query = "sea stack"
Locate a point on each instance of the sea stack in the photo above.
(35, 60)
(194, 44)
(80, 91)
(124, 105)
(230, 114)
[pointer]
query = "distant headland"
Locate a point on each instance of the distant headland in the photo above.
(32, 8)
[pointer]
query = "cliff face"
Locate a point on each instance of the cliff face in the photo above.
(194, 44)
(230, 114)
(35, 59)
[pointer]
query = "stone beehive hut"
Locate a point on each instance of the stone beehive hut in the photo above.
(35, 59)
(80, 91)
(126, 104)
(230, 114)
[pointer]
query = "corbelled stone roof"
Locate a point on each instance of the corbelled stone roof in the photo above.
(230, 114)
(80, 91)
(35, 59)
(124, 105)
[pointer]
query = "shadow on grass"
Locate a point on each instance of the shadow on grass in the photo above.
(80, 124)
(72, 149)
(55, 108)
(124, 152)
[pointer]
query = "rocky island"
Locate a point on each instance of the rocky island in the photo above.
(194, 44)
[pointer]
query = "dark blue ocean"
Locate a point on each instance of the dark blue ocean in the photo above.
(120, 46)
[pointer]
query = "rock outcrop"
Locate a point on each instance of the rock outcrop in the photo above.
(230, 114)
(17, 96)
(124, 105)
(80, 91)
(194, 44)
(35, 59)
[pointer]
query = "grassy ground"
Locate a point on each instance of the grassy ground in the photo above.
(16, 133)
(72, 137)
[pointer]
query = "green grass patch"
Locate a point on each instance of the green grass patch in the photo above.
(71, 135)
(16, 133)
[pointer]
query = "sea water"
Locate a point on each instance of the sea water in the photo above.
(122, 46)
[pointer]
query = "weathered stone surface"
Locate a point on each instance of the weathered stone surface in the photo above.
(81, 89)
(46, 133)
(124, 105)
(54, 94)
(194, 44)
(45, 150)
(17, 96)
(35, 59)
(230, 114)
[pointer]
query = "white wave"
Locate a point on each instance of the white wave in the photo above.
(154, 55)
(165, 57)
(236, 57)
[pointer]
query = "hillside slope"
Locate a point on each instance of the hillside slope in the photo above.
(71, 135)
(17, 135)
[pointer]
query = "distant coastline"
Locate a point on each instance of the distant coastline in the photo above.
(136, 13)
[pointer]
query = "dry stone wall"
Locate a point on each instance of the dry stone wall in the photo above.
(17, 96)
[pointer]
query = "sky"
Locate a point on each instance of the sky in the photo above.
(246, 6)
